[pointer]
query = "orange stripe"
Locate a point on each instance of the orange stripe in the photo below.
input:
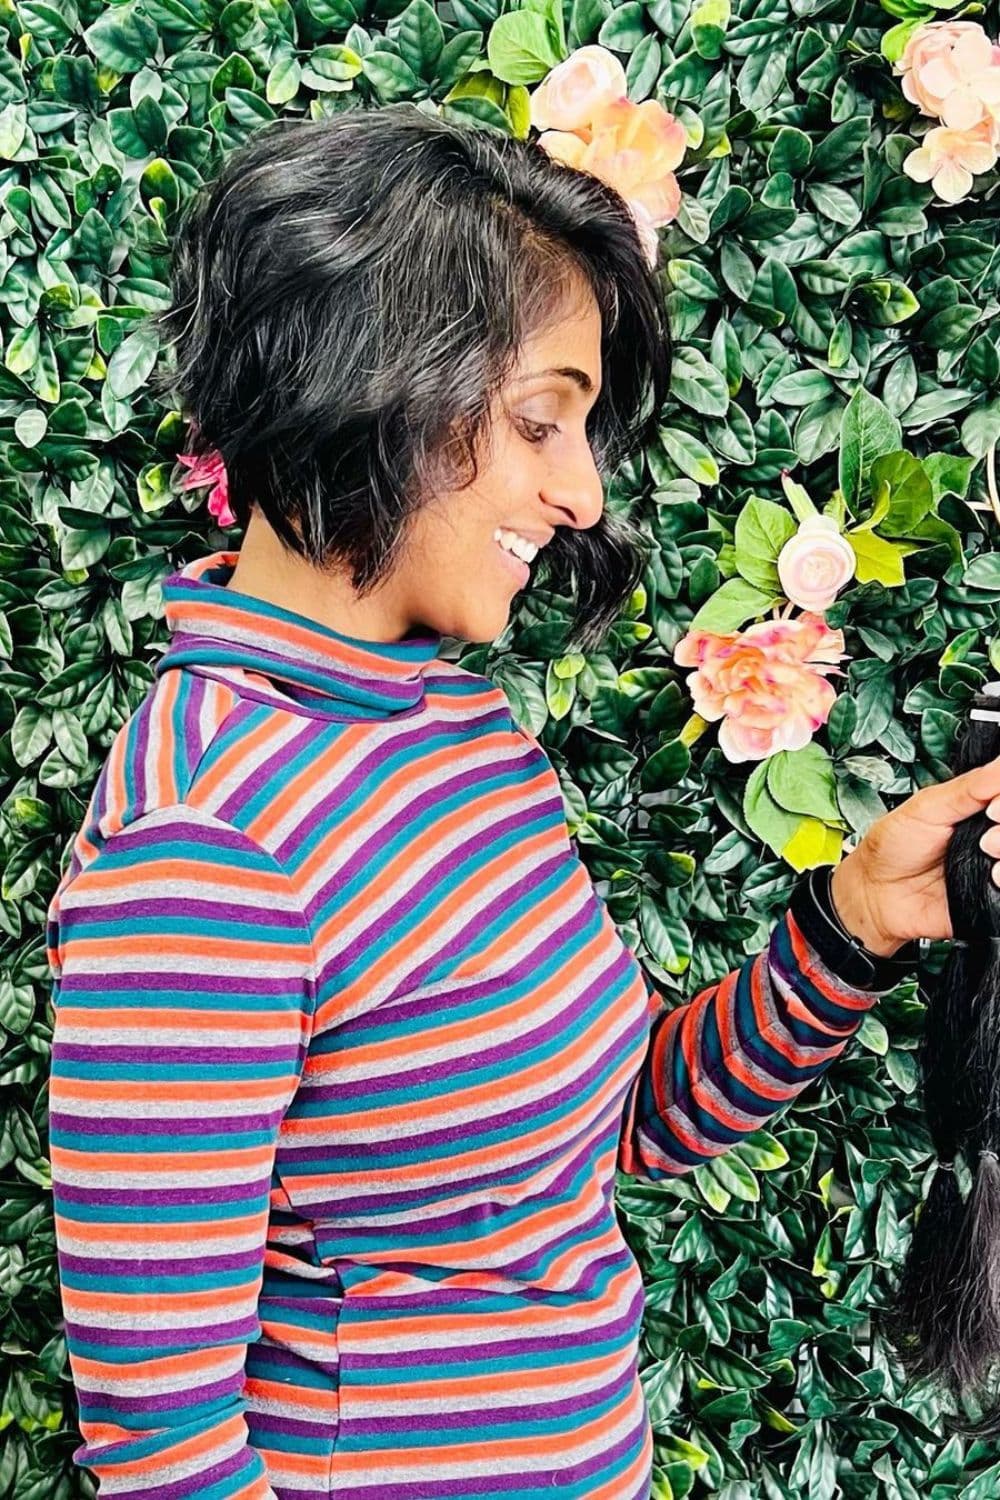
(246, 1158)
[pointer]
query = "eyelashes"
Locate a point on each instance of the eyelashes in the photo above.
(537, 432)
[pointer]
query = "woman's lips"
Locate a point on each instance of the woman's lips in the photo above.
(514, 565)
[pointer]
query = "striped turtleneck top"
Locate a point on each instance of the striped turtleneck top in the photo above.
(347, 1052)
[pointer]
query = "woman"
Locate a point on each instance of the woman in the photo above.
(347, 1048)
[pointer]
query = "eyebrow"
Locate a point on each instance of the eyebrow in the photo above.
(578, 377)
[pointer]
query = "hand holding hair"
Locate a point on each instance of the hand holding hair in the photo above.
(946, 1318)
(892, 889)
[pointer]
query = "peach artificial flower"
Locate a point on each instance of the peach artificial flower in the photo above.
(570, 96)
(816, 563)
(949, 159)
(767, 684)
(633, 148)
(208, 468)
(951, 71)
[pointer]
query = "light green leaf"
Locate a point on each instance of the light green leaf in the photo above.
(690, 455)
(522, 47)
(879, 561)
(731, 606)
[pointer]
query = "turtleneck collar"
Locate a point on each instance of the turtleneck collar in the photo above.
(215, 627)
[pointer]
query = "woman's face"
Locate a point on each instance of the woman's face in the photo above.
(455, 575)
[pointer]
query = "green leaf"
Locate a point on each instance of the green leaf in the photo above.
(690, 455)
(767, 819)
(949, 474)
(869, 431)
(731, 606)
(694, 382)
(802, 781)
(762, 529)
(522, 47)
(122, 38)
(666, 767)
(390, 77)
(813, 844)
(791, 151)
(624, 28)
(873, 1036)
(981, 429)
(30, 427)
(283, 81)
(420, 37)
(709, 20)
(909, 492)
(132, 362)
(879, 561)
(23, 350)
(762, 1152)
(667, 937)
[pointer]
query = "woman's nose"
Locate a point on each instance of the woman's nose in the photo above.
(576, 489)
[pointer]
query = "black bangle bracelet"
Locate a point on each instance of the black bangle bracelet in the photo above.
(845, 955)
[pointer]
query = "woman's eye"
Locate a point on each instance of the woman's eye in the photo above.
(537, 432)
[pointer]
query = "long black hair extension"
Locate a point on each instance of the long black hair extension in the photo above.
(945, 1322)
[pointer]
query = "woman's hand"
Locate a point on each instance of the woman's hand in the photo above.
(891, 887)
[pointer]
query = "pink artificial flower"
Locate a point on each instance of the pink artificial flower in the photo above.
(768, 683)
(208, 468)
(949, 159)
(950, 72)
(633, 148)
(570, 96)
(816, 563)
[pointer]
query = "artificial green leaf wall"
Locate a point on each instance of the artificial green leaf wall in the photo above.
(836, 330)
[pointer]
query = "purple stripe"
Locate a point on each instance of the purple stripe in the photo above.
(464, 781)
(403, 748)
(145, 1265)
(460, 1222)
(213, 914)
(317, 677)
(136, 836)
(171, 1401)
(138, 751)
(209, 984)
(128, 1125)
(477, 924)
(94, 1052)
(192, 745)
(263, 1423)
(148, 1199)
(161, 1340)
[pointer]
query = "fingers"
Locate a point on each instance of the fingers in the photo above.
(974, 791)
(990, 842)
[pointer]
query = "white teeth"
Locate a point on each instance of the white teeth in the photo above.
(519, 545)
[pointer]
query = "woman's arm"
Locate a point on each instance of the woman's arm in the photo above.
(184, 997)
(717, 1068)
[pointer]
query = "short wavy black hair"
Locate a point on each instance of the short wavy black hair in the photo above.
(348, 297)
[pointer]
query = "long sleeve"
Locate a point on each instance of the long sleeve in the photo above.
(184, 993)
(718, 1067)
